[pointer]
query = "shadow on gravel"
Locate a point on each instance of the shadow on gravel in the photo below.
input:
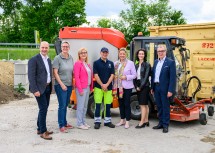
(210, 139)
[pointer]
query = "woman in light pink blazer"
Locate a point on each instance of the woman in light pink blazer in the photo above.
(123, 84)
(83, 87)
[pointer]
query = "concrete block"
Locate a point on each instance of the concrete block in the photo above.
(21, 78)
(20, 68)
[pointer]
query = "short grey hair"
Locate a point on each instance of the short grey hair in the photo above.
(163, 46)
(44, 42)
(65, 42)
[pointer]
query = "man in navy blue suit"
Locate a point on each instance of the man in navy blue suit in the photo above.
(40, 80)
(163, 85)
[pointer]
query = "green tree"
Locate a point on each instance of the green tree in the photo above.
(71, 13)
(141, 15)
(46, 16)
(49, 16)
(161, 13)
(10, 6)
(104, 23)
(10, 20)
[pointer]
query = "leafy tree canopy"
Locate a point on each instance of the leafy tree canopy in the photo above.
(141, 15)
(47, 16)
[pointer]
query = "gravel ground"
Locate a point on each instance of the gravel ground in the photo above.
(18, 134)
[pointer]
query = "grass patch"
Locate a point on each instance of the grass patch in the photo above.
(22, 53)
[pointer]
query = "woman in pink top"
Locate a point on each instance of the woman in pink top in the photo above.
(83, 87)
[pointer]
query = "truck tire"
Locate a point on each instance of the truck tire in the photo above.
(135, 108)
(203, 119)
(210, 111)
(91, 107)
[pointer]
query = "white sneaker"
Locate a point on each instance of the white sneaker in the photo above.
(86, 125)
(83, 127)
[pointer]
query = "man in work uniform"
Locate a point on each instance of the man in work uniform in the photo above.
(103, 70)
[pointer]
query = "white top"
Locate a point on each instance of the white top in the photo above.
(138, 72)
(45, 61)
(158, 69)
(120, 65)
(88, 72)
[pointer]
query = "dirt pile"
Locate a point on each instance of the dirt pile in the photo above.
(7, 92)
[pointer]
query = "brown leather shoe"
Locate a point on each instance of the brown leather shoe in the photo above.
(48, 132)
(46, 136)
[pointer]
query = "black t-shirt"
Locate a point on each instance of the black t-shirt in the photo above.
(104, 71)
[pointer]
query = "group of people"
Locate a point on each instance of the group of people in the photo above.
(111, 79)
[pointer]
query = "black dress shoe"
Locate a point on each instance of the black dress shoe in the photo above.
(146, 123)
(140, 126)
(97, 126)
(158, 127)
(165, 130)
(110, 125)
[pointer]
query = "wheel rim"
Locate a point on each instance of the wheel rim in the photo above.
(135, 108)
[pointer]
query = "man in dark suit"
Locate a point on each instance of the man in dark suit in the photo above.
(163, 85)
(40, 80)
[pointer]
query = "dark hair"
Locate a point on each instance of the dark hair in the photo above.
(145, 54)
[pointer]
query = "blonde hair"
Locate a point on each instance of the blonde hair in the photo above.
(79, 53)
(123, 49)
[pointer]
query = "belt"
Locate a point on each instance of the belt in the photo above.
(47, 84)
(156, 83)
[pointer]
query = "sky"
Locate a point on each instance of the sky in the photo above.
(195, 11)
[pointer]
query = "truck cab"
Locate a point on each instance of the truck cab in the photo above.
(151, 43)
(173, 45)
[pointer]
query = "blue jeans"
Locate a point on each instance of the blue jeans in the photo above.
(63, 101)
(43, 104)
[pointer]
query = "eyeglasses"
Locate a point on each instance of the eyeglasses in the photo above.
(65, 46)
(161, 51)
(83, 53)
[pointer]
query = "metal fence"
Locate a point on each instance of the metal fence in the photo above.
(21, 45)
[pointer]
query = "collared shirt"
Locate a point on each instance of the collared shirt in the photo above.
(45, 61)
(104, 69)
(158, 69)
(65, 68)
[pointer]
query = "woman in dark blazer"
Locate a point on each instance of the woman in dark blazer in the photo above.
(142, 86)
